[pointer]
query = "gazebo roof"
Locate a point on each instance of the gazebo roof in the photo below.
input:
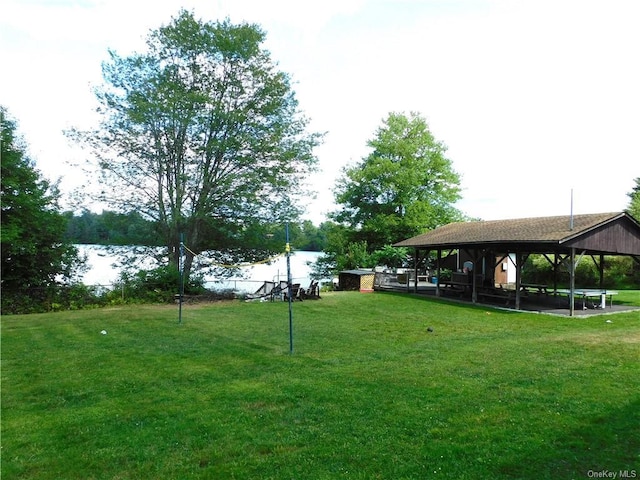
(614, 233)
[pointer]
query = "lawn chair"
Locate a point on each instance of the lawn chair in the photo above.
(313, 291)
(279, 291)
(295, 292)
(263, 293)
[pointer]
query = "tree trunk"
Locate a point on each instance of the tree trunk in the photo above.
(188, 262)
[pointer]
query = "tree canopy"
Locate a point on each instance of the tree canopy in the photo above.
(35, 257)
(634, 203)
(202, 135)
(405, 186)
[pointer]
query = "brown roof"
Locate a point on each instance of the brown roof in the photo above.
(539, 231)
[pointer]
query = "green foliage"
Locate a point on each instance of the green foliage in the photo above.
(269, 238)
(622, 272)
(306, 236)
(323, 268)
(158, 285)
(368, 393)
(36, 259)
(356, 256)
(75, 296)
(78, 297)
(619, 272)
(201, 134)
(390, 256)
(405, 186)
(111, 228)
(341, 252)
(634, 203)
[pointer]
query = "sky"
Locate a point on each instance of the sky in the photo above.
(538, 101)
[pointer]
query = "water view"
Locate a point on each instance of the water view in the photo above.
(103, 269)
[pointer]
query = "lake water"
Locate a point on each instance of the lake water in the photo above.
(103, 270)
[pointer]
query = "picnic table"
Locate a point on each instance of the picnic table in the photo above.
(538, 288)
(454, 286)
(501, 294)
(459, 281)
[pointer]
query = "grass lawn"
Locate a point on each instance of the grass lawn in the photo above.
(368, 393)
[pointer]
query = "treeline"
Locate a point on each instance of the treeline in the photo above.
(111, 228)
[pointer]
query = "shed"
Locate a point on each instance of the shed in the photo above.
(358, 279)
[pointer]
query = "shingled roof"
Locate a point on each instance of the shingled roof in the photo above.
(542, 233)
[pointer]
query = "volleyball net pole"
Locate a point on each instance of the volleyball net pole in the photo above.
(181, 269)
(288, 253)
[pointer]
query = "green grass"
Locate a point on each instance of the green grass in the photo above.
(368, 393)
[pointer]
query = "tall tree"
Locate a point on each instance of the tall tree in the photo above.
(35, 257)
(634, 203)
(405, 186)
(201, 134)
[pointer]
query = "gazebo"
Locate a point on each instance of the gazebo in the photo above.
(560, 239)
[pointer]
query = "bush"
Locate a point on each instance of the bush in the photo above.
(54, 297)
(619, 272)
(158, 285)
(78, 296)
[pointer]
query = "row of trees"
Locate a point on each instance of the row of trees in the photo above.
(112, 228)
(201, 136)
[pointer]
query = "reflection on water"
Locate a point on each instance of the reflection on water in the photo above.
(103, 270)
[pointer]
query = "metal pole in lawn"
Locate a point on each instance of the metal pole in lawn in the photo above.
(181, 269)
(288, 251)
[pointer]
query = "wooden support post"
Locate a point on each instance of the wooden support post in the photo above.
(519, 262)
(415, 271)
(438, 272)
(572, 282)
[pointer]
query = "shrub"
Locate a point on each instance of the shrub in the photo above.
(54, 297)
(78, 296)
(156, 285)
(619, 272)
